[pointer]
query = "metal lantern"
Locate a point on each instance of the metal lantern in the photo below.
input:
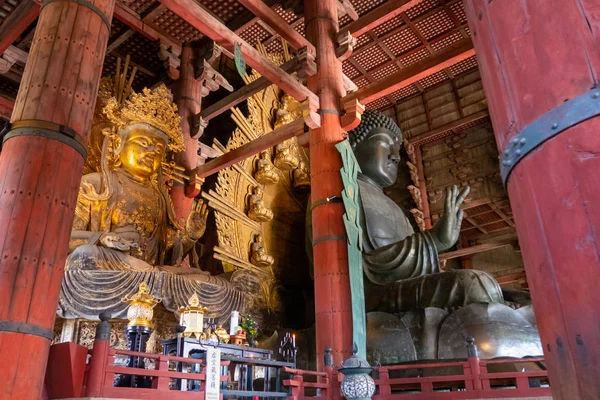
(357, 383)
(140, 311)
(192, 317)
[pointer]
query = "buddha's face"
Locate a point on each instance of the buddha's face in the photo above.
(378, 157)
(142, 152)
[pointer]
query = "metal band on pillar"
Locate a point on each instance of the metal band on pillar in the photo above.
(325, 201)
(87, 4)
(546, 126)
(29, 329)
(48, 130)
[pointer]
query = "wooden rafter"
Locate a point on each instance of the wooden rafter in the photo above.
(191, 12)
(264, 142)
(280, 25)
(16, 23)
(510, 278)
(122, 38)
(378, 16)
(451, 55)
(480, 248)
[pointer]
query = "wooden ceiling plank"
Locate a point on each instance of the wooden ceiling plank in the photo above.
(510, 278)
(245, 92)
(191, 12)
(417, 140)
(264, 142)
(378, 16)
(280, 25)
(154, 12)
(453, 54)
(16, 23)
(480, 248)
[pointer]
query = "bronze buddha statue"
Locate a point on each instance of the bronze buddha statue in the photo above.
(402, 268)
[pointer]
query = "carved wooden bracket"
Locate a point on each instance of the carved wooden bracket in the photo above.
(353, 116)
(192, 189)
(197, 126)
(10, 57)
(346, 8)
(170, 57)
(307, 61)
(346, 43)
(310, 115)
(212, 80)
(349, 86)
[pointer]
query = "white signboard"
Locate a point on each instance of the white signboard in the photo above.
(213, 373)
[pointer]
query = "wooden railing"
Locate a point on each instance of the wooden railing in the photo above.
(298, 384)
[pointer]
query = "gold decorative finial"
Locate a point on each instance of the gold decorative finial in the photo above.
(140, 311)
(152, 107)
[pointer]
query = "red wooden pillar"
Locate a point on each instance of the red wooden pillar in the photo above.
(535, 55)
(332, 282)
(189, 96)
(40, 171)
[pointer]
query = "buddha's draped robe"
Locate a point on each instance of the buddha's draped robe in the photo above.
(407, 263)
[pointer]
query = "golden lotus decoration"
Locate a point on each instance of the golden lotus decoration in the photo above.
(141, 304)
(192, 317)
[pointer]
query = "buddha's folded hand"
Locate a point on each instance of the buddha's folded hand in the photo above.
(117, 242)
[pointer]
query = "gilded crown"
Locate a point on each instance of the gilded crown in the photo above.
(152, 107)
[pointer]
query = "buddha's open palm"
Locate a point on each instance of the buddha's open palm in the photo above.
(446, 230)
(196, 222)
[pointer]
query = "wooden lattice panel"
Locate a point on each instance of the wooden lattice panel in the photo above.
(433, 80)
(300, 28)
(224, 9)
(142, 51)
(361, 41)
(349, 70)
(361, 82)
(459, 10)
(274, 46)
(364, 6)
(415, 57)
(388, 26)
(378, 104)
(371, 57)
(404, 93)
(176, 27)
(140, 81)
(344, 20)
(117, 28)
(254, 33)
(435, 24)
(401, 42)
(8, 88)
(385, 72)
(289, 16)
(446, 41)
(464, 66)
(421, 8)
(139, 6)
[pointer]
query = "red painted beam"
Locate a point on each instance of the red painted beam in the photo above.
(17, 22)
(275, 21)
(264, 142)
(6, 107)
(200, 19)
(438, 61)
(378, 16)
(133, 20)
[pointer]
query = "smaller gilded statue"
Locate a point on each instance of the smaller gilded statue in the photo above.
(258, 253)
(284, 159)
(257, 211)
(287, 111)
(301, 178)
(265, 170)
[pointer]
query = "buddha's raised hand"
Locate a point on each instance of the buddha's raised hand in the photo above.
(446, 230)
(196, 222)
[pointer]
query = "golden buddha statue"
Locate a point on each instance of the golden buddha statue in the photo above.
(258, 253)
(284, 159)
(287, 111)
(301, 178)
(256, 206)
(265, 170)
(124, 219)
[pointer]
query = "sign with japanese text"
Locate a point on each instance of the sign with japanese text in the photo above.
(213, 373)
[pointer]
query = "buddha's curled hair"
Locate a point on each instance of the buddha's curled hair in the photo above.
(373, 119)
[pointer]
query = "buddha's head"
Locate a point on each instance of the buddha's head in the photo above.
(141, 149)
(264, 155)
(377, 142)
(258, 238)
(257, 190)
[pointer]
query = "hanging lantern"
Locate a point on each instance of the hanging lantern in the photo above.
(357, 383)
(192, 317)
(140, 311)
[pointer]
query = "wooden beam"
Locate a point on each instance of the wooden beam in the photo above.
(190, 11)
(16, 23)
(280, 25)
(245, 92)
(480, 248)
(134, 21)
(419, 139)
(264, 142)
(438, 61)
(6, 107)
(378, 16)
(510, 278)
(119, 40)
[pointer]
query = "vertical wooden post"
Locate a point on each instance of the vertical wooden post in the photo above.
(99, 358)
(40, 171)
(534, 55)
(333, 303)
(188, 97)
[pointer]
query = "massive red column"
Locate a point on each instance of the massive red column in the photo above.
(188, 98)
(534, 55)
(40, 171)
(333, 304)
